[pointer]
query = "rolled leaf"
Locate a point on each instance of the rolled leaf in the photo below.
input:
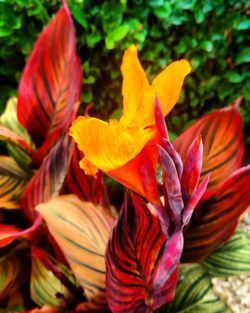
(216, 218)
(231, 258)
(48, 180)
(222, 136)
(81, 229)
(45, 287)
(194, 293)
(133, 256)
(9, 233)
(12, 183)
(50, 85)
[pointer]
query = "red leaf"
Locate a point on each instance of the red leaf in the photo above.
(222, 137)
(133, 257)
(48, 180)
(50, 86)
(9, 233)
(216, 218)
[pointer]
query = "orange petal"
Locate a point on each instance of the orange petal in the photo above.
(130, 174)
(169, 82)
(108, 146)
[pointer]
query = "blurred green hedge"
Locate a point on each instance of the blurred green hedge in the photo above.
(213, 34)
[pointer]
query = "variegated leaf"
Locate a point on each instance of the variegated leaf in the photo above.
(81, 229)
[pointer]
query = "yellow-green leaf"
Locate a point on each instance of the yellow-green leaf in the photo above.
(231, 258)
(18, 140)
(194, 293)
(81, 229)
(46, 288)
(12, 182)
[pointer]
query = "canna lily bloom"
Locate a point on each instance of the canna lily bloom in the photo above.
(119, 147)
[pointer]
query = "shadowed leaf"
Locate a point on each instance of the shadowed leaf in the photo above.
(48, 180)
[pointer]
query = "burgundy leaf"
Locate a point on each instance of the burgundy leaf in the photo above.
(48, 180)
(192, 169)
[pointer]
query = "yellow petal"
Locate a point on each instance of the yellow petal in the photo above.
(108, 146)
(134, 86)
(169, 82)
(139, 95)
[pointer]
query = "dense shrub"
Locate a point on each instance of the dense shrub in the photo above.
(213, 34)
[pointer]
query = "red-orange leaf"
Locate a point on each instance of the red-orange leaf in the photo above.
(215, 219)
(50, 86)
(133, 258)
(222, 137)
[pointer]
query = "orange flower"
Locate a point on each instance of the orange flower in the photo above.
(116, 147)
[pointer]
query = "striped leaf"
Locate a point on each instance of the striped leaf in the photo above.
(231, 258)
(194, 293)
(216, 218)
(222, 137)
(81, 229)
(19, 142)
(134, 255)
(47, 288)
(11, 265)
(50, 85)
(12, 183)
(48, 180)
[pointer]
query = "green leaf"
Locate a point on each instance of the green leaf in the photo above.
(234, 77)
(243, 24)
(207, 45)
(194, 293)
(243, 56)
(232, 258)
(118, 33)
(93, 39)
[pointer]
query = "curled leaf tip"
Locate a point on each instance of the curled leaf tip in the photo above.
(237, 102)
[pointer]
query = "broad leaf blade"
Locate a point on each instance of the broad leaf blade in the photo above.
(132, 258)
(50, 86)
(12, 183)
(48, 180)
(222, 136)
(216, 218)
(232, 258)
(86, 228)
(194, 293)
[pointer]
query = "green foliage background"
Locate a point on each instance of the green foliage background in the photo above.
(213, 34)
